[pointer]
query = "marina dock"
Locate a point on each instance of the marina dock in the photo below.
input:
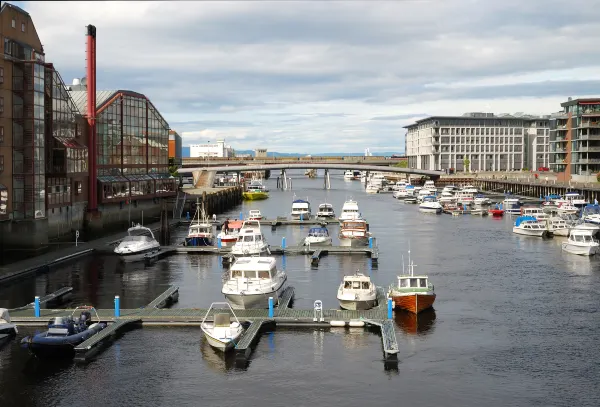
(258, 320)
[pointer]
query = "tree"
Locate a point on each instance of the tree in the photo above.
(466, 162)
(172, 167)
(402, 164)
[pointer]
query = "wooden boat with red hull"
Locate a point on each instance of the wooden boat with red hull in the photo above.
(496, 213)
(413, 293)
(415, 324)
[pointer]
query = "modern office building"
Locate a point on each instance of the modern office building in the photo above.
(218, 149)
(175, 147)
(49, 178)
(575, 140)
(478, 142)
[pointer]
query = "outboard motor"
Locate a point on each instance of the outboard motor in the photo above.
(85, 318)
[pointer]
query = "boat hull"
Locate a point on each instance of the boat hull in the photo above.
(312, 241)
(354, 241)
(59, 347)
(357, 305)
(535, 233)
(414, 303)
(305, 216)
(137, 256)
(580, 250)
(198, 241)
(425, 209)
(249, 251)
(254, 301)
(254, 196)
(327, 215)
(8, 329)
(561, 232)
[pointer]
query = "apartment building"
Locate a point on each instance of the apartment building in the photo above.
(478, 142)
(575, 140)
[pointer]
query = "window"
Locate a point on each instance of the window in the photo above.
(1, 134)
(1, 104)
(1, 74)
(14, 23)
(1, 163)
(77, 187)
(22, 27)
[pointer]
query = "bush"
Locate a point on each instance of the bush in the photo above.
(598, 177)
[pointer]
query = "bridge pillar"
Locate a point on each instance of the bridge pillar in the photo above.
(366, 178)
(284, 179)
(326, 180)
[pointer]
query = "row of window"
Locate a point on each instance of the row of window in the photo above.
(484, 149)
(14, 25)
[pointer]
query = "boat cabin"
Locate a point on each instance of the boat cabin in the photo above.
(139, 233)
(429, 198)
(254, 214)
(582, 236)
(355, 224)
(326, 208)
(529, 222)
(253, 268)
(413, 282)
(318, 232)
(534, 211)
(350, 210)
(300, 206)
(358, 282)
(200, 229)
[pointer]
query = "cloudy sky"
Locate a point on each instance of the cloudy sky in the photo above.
(329, 76)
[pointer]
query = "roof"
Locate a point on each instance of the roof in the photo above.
(580, 101)
(102, 96)
(481, 116)
(254, 263)
(300, 201)
(522, 219)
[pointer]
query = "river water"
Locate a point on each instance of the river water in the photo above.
(516, 323)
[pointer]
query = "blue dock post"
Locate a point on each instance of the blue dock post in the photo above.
(241, 215)
(117, 306)
(370, 242)
(301, 216)
(271, 307)
(283, 242)
(187, 216)
(390, 308)
(219, 245)
(36, 306)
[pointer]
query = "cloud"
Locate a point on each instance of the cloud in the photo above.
(339, 76)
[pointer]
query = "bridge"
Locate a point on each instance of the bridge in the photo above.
(221, 161)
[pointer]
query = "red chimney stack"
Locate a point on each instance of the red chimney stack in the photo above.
(91, 118)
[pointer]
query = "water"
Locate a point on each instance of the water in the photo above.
(515, 323)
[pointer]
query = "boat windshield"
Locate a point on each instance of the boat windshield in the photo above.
(139, 238)
(354, 225)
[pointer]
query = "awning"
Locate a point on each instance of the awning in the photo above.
(161, 176)
(69, 142)
(139, 177)
(112, 178)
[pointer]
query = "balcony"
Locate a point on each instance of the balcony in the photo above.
(435, 143)
(589, 161)
(590, 124)
(588, 149)
(590, 137)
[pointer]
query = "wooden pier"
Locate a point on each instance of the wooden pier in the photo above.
(259, 320)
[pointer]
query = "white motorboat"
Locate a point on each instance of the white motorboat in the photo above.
(591, 214)
(558, 226)
(447, 197)
(354, 233)
(425, 192)
(450, 188)
(470, 189)
(575, 199)
(464, 197)
(326, 211)
(581, 242)
(566, 207)
(250, 241)
(300, 210)
(222, 333)
(200, 232)
(254, 214)
(6, 327)
(481, 200)
(430, 205)
(251, 281)
(400, 185)
(511, 205)
(357, 292)
(534, 211)
(350, 211)
(530, 226)
(318, 236)
(429, 184)
(372, 189)
(138, 243)
(229, 236)
(348, 175)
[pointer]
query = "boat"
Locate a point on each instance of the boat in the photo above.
(354, 233)
(222, 333)
(534, 211)
(401, 184)
(576, 199)
(250, 241)
(255, 191)
(300, 210)
(511, 205)
(229, 236)
(64, 334)
(566, 207)
(591, 214)
(496, 212)
(349, 211)
(254, 214)
(138, 243)
(6, 327)
(450, 188)
(558, 226)
(464, 197)
(447, 197)
(429, 184)
(357, 292)
(317, 236)
(250, 282)
(372, 189)
(312, 173)
(413, 293)
(411, 200)
(430, 205)
(325, 211)
(470, 189)
(200, 232)
(348, 175)
(481, 200)
(581, 242)
(530, 226)
(479, 212)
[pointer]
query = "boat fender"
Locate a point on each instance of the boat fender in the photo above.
(93, 325)
(356, 323)
(337, 323)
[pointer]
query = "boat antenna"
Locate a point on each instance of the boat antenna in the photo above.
(403, 264)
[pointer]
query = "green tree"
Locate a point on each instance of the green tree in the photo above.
(172, 167)
(402, 164)
(466, 162)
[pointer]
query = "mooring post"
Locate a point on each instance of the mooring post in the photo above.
(301, 216)
(117, 306)
(390, 308)
(283, 242)
(241, 215)
(271, 313)
(219, 242)
(187, 216)
(370, 242)
(36, 306)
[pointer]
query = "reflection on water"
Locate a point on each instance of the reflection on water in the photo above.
(415, 324)
(217, 361)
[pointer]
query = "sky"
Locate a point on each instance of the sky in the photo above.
(328, 76)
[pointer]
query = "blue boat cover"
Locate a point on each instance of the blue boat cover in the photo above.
(479, 196)
(318, 230)
(522, 219)
(300, 201)
(553, 196)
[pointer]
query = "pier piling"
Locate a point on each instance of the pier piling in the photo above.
(117, 306)
(36, 306)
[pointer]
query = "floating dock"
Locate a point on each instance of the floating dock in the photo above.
(259, 320)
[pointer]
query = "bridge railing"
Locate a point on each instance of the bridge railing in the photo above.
(320, 159)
